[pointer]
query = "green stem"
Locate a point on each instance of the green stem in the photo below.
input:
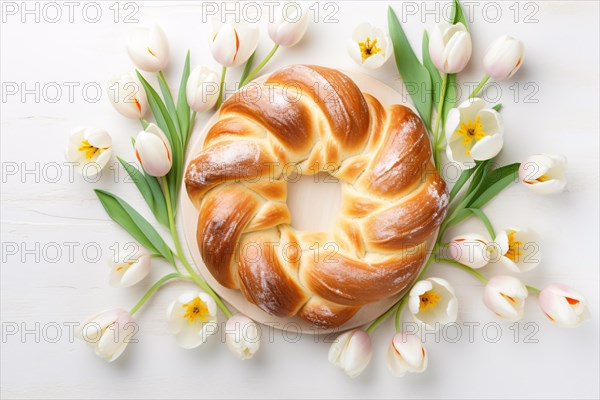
(486, 221)
(382, 317)
(260, 66)
(161, 76)
(404, 298)
(221, 84)
(438, 119)
(153, 289)
(533, 289)
(193, 274)
(470, 270)
(144, 123)
(401, 305)
(480, 86)
(190, 129)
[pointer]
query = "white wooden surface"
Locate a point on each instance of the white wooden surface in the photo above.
(39, 210)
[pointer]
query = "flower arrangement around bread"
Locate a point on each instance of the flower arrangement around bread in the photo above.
(396, 207)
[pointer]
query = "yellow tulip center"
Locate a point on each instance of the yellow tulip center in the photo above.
(428, 299)
(514, 247)
(88, 149)
(471, 131)
(368, 48)
(123, 266)
(196, 309)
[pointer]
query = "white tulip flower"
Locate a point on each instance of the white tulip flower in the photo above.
(107, 333)
(470, 249)
(351, 352)
(544, 173)
(153, 151)
(406, 353)
(89, 149)
(370, 46)
(232, 43)
(127, 96)
(202, 89)
(289, 26)
(433, 303)
(242, 336)
(450, 47)
(473, 132)
(563, 305)
(148, 48)
(129, 271)
(519, 249)
(505, 296)
(192, 317)
(503, 58)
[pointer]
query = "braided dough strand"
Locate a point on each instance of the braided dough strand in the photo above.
(315, 119)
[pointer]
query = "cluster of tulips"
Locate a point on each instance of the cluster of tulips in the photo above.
(191, 317)
(473, 134)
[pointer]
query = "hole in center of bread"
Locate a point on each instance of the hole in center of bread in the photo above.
(314, 201)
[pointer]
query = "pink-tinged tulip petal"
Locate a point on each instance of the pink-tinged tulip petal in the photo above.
(242, 336)
(148, 48)
(351, 352)
(505, 296)
(544, 173)
(563, 305)
(503, 58)
(127, 96)
(153, 151)
(406, 353)
(469, 249)
(289, 26)
(107, 333)
(450, 47)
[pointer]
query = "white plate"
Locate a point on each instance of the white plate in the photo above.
(299, 194)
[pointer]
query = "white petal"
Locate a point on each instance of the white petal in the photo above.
(487, 148)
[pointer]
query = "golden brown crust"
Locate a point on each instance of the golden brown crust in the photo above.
(348, 281)
(393, 199)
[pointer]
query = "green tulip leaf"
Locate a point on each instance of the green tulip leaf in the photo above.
(458, 15)
(183, 109)
(150, 191)
(136, 225)
(414, 74)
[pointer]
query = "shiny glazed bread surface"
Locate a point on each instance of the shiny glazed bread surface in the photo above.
(308, 119)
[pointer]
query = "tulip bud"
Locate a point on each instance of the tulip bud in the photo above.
(450, 47)
(231, 43)
(290, 26)
(129, 271)
(89, 149)
(503, 58)
(153, 151)
(242, 336)
(351, 352)
(202, 89)
(505, 296)
(470, 250)
(563, 305)
(148, 48)
(108, 333)
(405, 354)
(433, 303)
(127, 96)
(544, 173)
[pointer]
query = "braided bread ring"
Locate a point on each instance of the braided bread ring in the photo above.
(393, 199)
